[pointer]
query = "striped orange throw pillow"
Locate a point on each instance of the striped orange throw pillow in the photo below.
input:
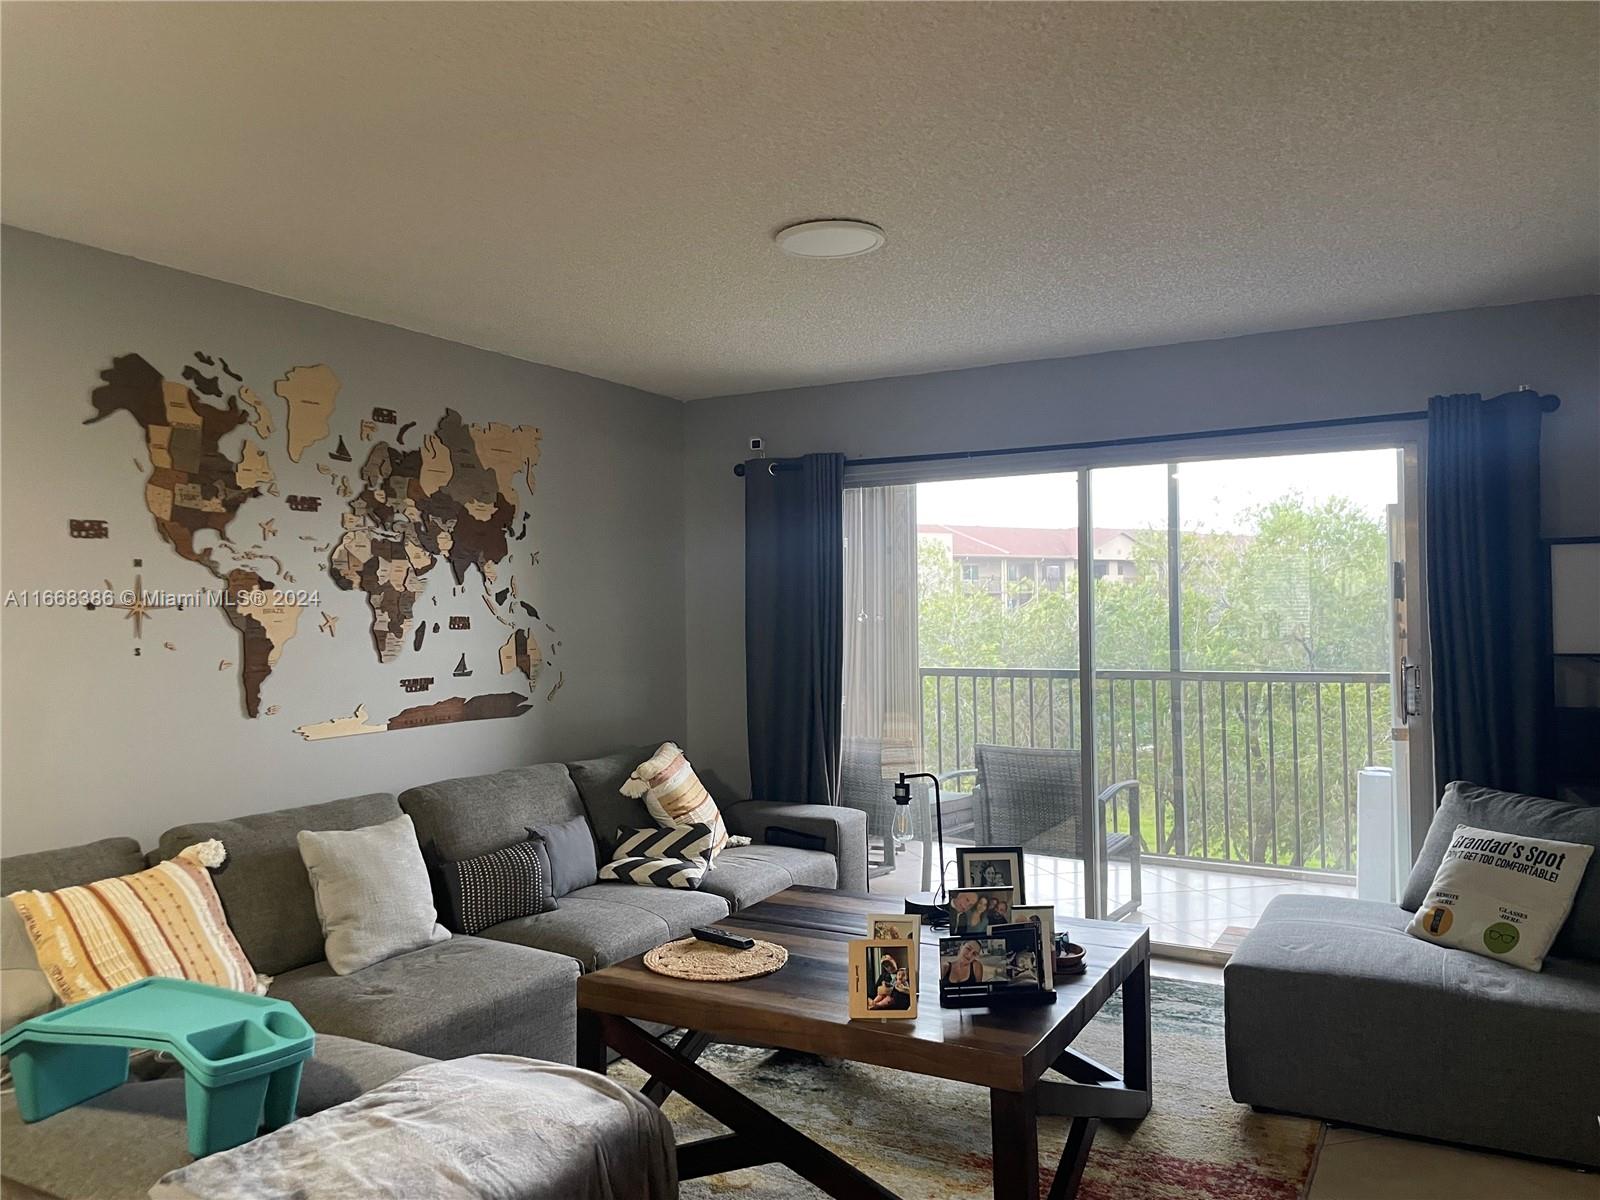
(165, 921)
(675, 796)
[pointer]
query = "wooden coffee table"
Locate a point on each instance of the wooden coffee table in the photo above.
(805, 1007)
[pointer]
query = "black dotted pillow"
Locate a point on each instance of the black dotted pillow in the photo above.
(475, 893)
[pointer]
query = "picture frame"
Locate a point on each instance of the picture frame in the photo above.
(991, 866)
(973, 910)
(883, 979)
(894, 927)
(1003, 965)
(1044, 915)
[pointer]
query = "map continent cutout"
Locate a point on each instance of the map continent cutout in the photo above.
(453, 499)
(310, 393)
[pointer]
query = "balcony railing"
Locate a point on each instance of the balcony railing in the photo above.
(1253, 767)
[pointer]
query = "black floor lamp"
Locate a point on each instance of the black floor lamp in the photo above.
(930, 906)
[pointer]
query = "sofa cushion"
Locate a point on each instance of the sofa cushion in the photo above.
(1428, 1020)
(466, 817)
(265, 890)
(73, 866)
(342, 1068)
(570, 846)
(599, 782)
(1501, 895)
(1525, 816)
(374, 899)
(25, 990)
(673, 793)
(464, 996)
(476, 893)
(164, 920)
(654, 872)
(115, 1146)
(745, 875)
(597, 933)
(680, 911)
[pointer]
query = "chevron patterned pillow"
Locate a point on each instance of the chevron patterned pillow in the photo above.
(655, 872)
(675, 796)
(686, 843)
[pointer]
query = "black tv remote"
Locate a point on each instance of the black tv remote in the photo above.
(722, 937)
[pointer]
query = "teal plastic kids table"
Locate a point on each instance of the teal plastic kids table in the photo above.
(241, 1055)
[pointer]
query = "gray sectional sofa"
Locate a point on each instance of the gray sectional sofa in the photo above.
(1334, 1011)
(509, 990)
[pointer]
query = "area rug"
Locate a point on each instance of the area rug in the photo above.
(928, 1139)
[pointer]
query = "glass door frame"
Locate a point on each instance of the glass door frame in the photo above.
(1409, 438)
(1412, 770)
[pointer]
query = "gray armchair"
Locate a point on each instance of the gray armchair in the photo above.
(1033, 798)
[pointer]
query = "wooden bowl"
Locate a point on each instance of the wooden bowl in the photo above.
(1070, 963)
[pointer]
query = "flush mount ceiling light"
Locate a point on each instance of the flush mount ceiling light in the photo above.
(830, 239)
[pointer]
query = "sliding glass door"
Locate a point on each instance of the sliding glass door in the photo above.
(1214, 741)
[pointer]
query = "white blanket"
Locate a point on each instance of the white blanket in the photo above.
(489, 1127)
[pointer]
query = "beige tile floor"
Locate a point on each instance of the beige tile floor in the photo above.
(1186, 906)
(1360, 1165)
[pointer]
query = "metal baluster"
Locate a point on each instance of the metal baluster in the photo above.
(1272, 777)
(1344, 768)
(955, 695)
(1322, 800)
(1294, 759)
(1205, 832)
(1369, 725)
(1227, 811)
(1155, 769)
(1249, 783)
(1111, 691)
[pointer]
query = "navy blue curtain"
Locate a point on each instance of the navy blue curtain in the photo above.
(1488, 594)
(794, 625)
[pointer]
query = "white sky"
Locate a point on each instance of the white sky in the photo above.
(1211, 495)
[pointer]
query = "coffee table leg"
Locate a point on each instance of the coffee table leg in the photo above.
(1136, 1043)
(591, 1042)
(689, 1048)
(1069, 1174)
(1014, 1135)
(758, 1136)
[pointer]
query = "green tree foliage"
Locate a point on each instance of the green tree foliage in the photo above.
(1302, 589)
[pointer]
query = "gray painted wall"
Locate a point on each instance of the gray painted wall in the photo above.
(1311, 374)
(97, 742)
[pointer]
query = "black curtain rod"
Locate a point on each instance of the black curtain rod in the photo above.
(1547, 403)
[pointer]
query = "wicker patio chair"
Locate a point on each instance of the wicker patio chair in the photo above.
(862, 785)
(1033, 798)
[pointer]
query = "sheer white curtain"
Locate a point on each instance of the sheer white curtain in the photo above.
(881, 717)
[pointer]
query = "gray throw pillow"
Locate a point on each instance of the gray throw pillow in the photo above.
(573, 862)
(1524, 816)
(373, 896)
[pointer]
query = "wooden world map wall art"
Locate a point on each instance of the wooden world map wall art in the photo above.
(386, 533)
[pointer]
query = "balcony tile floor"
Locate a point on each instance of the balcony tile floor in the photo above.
(1197, 908)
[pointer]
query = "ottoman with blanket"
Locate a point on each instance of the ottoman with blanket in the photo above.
(372, 1121)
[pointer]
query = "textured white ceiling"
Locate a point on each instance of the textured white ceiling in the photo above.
(595, 186)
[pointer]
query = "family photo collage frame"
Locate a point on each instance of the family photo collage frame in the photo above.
(999, 950)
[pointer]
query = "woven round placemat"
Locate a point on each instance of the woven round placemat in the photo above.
(690, 958)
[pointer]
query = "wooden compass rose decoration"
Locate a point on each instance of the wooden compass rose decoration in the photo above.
(139, 608)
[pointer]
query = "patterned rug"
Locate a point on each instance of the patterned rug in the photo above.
(928, 1139)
